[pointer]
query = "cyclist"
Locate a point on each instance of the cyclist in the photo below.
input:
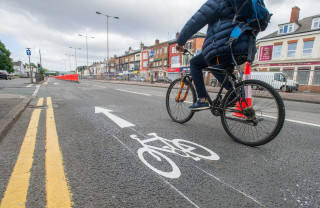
(215, 52)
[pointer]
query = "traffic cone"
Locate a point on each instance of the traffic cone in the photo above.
(248, 95)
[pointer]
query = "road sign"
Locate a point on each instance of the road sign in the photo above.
(151, 54)
(28, 52)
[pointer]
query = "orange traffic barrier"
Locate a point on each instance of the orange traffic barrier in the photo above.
(248, 90)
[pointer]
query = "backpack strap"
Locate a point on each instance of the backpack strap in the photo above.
(238, 11)
(237, 31)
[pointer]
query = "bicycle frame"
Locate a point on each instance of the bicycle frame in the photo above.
(215, 104)
(168, 147)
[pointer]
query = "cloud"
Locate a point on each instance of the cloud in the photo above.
(54, 26)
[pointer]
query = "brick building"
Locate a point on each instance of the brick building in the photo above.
(293, 49)
(179, 63)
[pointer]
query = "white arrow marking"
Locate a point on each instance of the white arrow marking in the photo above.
(119, 121)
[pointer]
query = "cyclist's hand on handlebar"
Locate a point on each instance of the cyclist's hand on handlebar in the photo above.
(180, 49)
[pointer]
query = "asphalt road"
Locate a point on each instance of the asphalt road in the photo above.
(101, 128)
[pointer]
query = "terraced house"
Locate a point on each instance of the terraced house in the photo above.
(293, 49)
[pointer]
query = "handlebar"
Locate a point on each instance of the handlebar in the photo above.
(186, 51)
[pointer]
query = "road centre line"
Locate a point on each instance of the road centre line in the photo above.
(58, 194)
(218, 179)
(17, 189)
(134, 92)
(174, 188)
(36, 91)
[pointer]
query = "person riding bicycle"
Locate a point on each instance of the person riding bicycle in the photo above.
(215, 51)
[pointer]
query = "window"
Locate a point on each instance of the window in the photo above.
(315, 23)
(292, 49)
(145, 56)
(165, 63)
(289, 73)
(165, 50)
(274, 69)
(307, 48)
(131, 59)
(316, 76)
(174, 49)
(286, 29)
(277, 51)
(303, 76)
(145, 64)
(160, 50)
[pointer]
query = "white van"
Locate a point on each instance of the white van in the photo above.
(278, 80)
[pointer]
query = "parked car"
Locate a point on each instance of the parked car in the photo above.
(277, 80)
(164, 80)
(214, 82)
(4, 75)
(141, 79)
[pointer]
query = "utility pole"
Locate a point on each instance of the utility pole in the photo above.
(40, 59)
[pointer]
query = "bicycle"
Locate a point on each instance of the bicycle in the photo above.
(179, 147)
(247, 122)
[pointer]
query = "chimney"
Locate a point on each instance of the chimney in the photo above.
(295, 15)
(141, 46)
(177, 35)
(156, 42)
(130, 49)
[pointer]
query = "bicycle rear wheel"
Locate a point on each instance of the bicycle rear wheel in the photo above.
(178, 110)
(258, 123)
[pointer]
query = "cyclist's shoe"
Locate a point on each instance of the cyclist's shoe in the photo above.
(198, 105)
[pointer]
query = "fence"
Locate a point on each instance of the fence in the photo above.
(288, 80)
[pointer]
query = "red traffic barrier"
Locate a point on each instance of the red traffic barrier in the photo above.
(69, 77)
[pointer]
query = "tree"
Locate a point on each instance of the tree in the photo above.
(5, 60)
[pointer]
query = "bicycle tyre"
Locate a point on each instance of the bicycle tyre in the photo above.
(236, 126)
(179, 111)
(174, 173)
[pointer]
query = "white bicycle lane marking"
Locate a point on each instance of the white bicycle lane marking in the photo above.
(181, 147)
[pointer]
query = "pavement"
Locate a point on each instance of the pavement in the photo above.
(11, 106)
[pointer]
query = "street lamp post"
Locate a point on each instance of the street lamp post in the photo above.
(69, 60)
(86, 44)
(108, 69)
(75, 55)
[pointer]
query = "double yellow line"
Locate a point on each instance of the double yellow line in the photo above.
(58, 194)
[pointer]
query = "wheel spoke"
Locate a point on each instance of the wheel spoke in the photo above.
(269, 115)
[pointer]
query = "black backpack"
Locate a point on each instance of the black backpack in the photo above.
(251, 16)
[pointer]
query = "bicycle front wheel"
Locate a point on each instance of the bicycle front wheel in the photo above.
(178, 102)
(258, 123)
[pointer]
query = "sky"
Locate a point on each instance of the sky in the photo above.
(52, 27)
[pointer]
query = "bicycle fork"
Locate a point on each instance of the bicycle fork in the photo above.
(180, 91)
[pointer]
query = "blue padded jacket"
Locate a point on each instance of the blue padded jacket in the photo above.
(216, 14)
